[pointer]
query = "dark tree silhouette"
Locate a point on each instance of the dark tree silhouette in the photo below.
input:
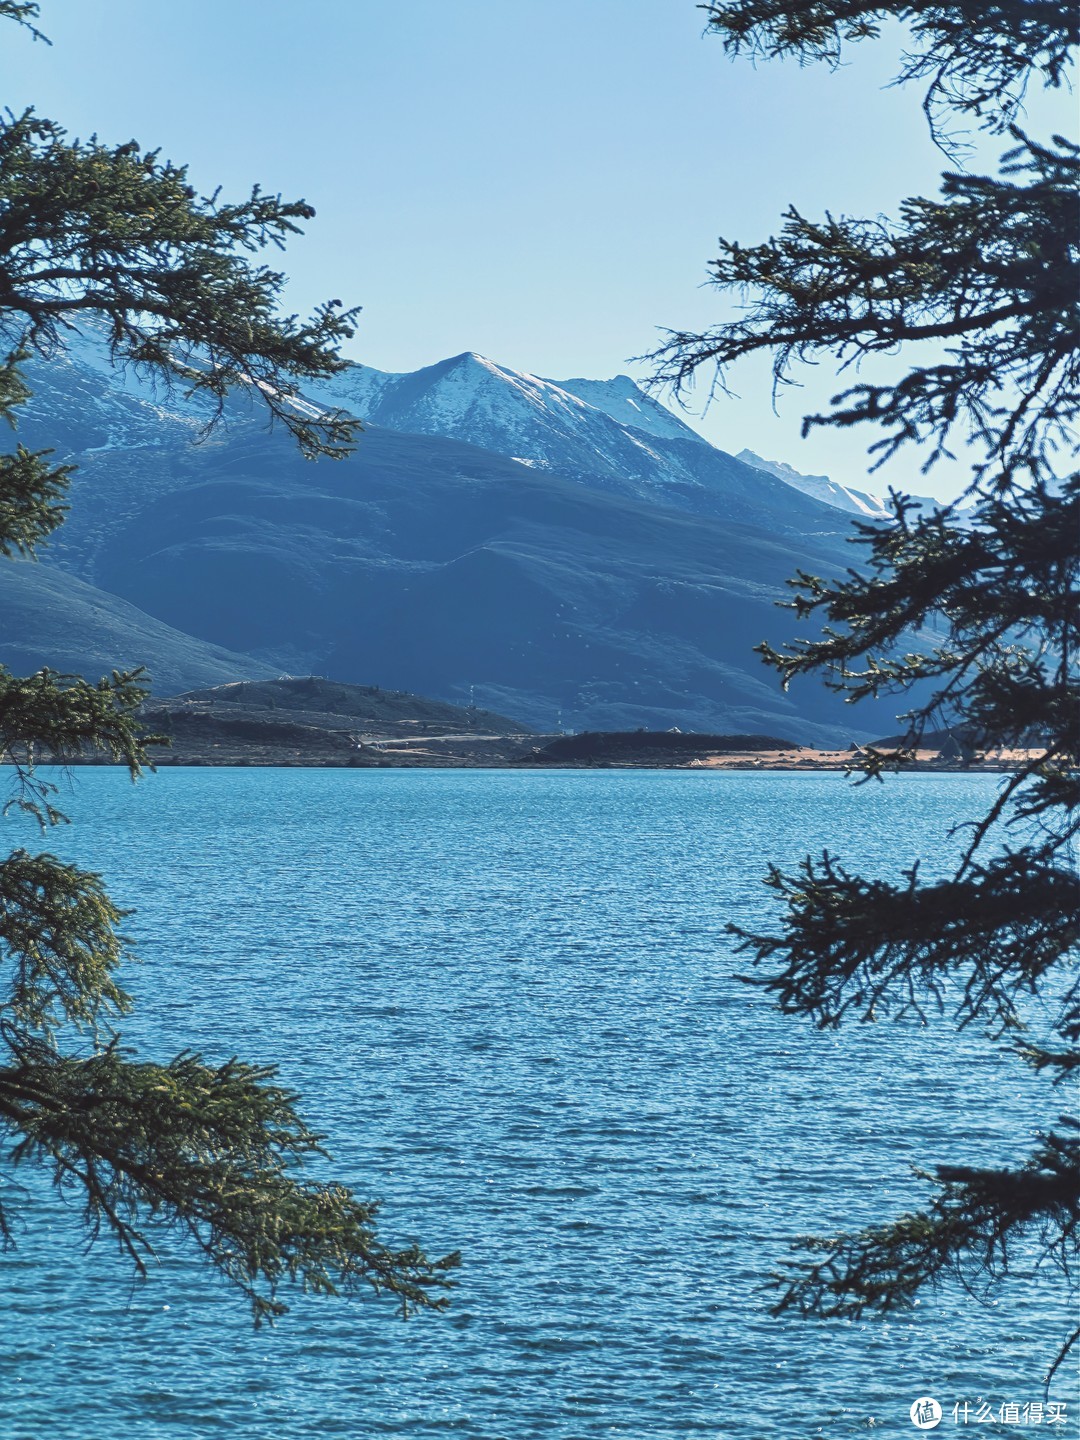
(979, 611)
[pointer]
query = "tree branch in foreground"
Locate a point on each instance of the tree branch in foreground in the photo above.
(211, 1152)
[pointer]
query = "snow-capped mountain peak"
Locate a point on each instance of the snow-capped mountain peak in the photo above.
(602, 428)
(467, 388)
(601, 432)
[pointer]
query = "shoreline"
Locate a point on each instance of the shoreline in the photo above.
(992, 767)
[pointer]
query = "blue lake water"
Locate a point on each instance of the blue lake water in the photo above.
(509, 1000)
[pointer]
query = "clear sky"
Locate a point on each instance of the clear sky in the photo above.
(542, 181)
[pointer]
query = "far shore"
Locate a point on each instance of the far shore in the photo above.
(310, 722)
(418, 756)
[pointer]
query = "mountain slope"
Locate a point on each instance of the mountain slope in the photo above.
(367, 710)
(820, 487)
(440, 568)
(312, 721)
(52, 619)
(624, 401)
(860, 503)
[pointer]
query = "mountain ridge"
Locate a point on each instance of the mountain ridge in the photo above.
(607, 433)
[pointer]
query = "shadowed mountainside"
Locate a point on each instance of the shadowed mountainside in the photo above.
(53, 619)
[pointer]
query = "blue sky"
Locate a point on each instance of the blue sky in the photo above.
(540, 182)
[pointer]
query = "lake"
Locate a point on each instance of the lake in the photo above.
(508, 999)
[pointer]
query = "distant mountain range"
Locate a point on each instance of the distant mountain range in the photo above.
(562, 552)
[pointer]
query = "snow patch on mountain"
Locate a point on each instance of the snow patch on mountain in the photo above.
(843, 497)
(622, 399)
(126, 410)
(831, 492)
(85, 351)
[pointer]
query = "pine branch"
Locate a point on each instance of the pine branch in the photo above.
(974, 1229)
(991, 270)
(119, 234)
(58, 931)
(23, 12)
(54, 717)
(870, 948)
(977, 55)
(213, 1153)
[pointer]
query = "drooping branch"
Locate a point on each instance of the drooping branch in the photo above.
(31, 491)
(53, 717)
(990, 271)
(60, 940)
(23, 12)
(116, 237)
(212, 1152)
(868, 948)
(973, 1229)
(1009, 571)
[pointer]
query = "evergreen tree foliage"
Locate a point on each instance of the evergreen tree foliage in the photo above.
(214, 1152)
(976, 55)
(977, 612)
